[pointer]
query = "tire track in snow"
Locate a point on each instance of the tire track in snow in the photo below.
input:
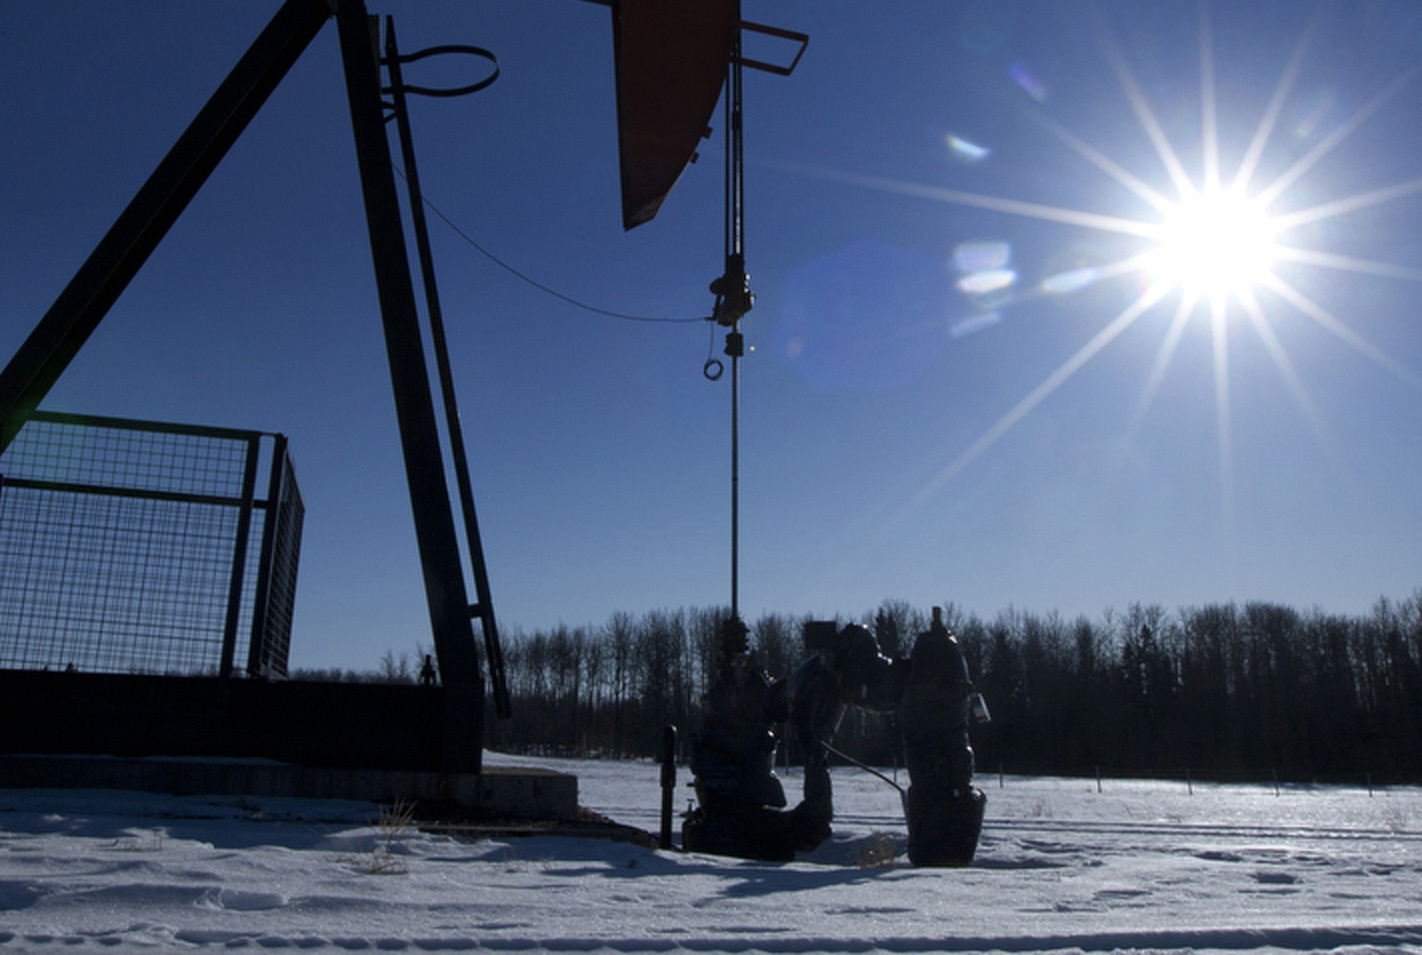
(1211, 830)
(1195, 940)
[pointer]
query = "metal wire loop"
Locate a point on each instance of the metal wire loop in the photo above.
(438, 51)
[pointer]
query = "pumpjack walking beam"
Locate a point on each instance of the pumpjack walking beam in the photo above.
(138, 230)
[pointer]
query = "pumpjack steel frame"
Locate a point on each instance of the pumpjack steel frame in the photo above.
(81, 306)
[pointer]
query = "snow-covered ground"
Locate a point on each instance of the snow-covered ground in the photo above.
(1140, 865)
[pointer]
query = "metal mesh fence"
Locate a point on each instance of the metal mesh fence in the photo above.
(281, 552)
(132, 547)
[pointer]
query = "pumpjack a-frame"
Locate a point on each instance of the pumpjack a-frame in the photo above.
(671, 59)
(83, 303)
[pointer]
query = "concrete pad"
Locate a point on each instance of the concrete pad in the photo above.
(502, 791)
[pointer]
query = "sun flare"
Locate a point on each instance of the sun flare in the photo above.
(1208, 253)
(1215, 245)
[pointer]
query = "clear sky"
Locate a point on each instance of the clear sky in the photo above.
(967, 384)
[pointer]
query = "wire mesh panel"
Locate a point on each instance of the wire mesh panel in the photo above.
(132, 547)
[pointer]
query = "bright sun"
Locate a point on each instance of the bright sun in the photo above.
(1214, 245)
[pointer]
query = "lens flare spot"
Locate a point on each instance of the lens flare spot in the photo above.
(1029, 84)
(966, 151)
(871, 315)
(986, 282)
(975, 324)
(1315, 111)
(981, 256)
(1064, 283)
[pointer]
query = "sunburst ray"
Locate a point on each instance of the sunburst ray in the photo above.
(1224, 419)
(1101, 161)
(1037, 395)
(1326, 320)
(1265, 330)
(1270, 119)
(1330, 142)
(1338, 207)
(1224, 222)
(1346, 263)
(1144, 114)
(976, 200)
(1210, 142)
(1163, 358)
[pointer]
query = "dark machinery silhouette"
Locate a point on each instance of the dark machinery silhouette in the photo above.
(671, 61)
(741, 809)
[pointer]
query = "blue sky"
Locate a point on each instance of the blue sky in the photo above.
(915, 236)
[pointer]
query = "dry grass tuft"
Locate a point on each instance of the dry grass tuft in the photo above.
(880, 851)
(394, 822)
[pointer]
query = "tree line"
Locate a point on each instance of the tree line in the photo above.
(1220, 690)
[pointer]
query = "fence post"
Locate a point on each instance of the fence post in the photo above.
(239, 559)
(668, 784)
(1098, 780)
(1189, 784)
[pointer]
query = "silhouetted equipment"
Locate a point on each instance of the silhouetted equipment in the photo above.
(670, 60)
(944, 811)
(668, 785)
(86, 299)
(671, 57)
(483, 608)
(82, 305)
(741, 801)
(435, 538)
(137, 547)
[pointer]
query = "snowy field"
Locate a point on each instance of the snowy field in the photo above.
(1060, 868)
